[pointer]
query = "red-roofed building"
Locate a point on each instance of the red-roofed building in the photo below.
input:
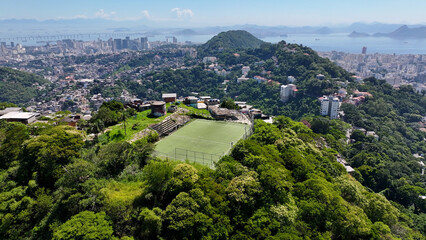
(358, 93)
(260, 79)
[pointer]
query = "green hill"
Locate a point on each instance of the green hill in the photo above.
(237, 39)
(283, 182)
(385, 165)
(19, 87)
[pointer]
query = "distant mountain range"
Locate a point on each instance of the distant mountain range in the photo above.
(405, 32)
(18, 27)
(402, 32)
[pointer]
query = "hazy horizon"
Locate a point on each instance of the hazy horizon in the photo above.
(191, 14)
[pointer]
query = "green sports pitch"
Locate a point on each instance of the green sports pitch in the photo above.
(201, 141)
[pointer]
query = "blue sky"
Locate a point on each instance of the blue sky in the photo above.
(222, 12)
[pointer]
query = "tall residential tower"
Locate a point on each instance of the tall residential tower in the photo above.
(330, 106)
(287, 91)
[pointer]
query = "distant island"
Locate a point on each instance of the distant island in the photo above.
(186, 32)
(356, 34)
(405, 32)
(55, 26)
(401, 33)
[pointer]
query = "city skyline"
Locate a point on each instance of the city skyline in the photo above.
(186, 13)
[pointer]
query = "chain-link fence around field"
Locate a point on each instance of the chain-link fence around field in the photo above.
(207, 159)
(200, 157)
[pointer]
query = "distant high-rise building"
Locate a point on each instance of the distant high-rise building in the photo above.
(110, 42)
(330, 106)
(174, 40)
(117, 44)
(325, 105)
(144, 43)
(334, 108)
(287, 91)
(12, 44)
(364, 50)
(68, 43)
(126, 43)
(2, 47)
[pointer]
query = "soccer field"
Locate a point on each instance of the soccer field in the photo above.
(201, 141)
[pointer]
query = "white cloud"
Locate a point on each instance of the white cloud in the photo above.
(81, 16)
(146, 14)
(102, 14)
(73, 17)
(182, 13)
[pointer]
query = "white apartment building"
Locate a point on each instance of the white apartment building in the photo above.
(325, 105)
(245, 70)
(287, 91)
(334, 108)
(330, 106)
(209, 59)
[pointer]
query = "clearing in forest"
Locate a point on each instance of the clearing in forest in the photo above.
(201, 141)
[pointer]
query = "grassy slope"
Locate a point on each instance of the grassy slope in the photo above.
(142, 121)
(196, 112)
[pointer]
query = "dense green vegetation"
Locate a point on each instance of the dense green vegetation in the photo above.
(4, 105)
(282, 183)
(182, 81)
(385, 165)
(109, 114)
(279, 60)
(19, 87)
(230, 40)
(228, 103)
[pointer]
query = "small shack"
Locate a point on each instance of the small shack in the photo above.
(22, 117)
(223, 113)
(212, 101)
(191, 101)
(169, 97)
(72, 120)
(256, 113)
(10, 109)
(158, 108)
